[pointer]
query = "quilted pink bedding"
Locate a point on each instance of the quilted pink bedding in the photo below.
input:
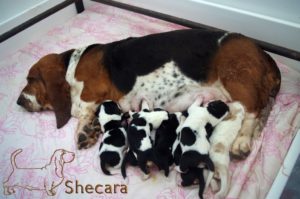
(51, 159)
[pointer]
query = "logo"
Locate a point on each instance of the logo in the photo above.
(50, 175)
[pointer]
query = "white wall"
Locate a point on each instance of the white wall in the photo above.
(16, 12)
(274, 21)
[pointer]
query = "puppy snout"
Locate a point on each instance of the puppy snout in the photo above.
(21, 100)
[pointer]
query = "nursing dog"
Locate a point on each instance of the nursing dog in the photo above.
(169, 68)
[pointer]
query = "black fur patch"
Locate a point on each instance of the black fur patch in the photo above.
(66, 57)
(109, 158)
(164, 139)
(192, 176)
(134, 137)
(111, 108)
(177, 94)
(139, 122)
(177, 154)
(112, 125)
(82, 138)
(151, 126)
(128, 158)
(209, 129)
(217, 108)
(188, 137)
(116, 138)
(185, 113)
(192, 159)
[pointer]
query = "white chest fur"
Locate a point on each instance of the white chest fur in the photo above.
(80, 108)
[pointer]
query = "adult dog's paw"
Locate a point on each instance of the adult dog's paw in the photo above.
(88, 136)
(241, 148)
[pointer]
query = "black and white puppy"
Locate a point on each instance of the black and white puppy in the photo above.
(140, 151)
(164, 138)
(114, 140)
(195, 132)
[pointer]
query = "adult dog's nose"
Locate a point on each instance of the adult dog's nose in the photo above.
(21, 100)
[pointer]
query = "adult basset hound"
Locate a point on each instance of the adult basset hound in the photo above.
(168, 69)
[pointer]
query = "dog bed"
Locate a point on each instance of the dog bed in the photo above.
(37, 136)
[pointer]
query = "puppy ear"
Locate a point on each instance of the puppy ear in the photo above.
(58, 90)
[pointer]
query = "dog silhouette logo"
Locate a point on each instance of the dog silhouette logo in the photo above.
(50, 175)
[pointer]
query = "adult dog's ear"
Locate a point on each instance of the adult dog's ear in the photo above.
(53, 74)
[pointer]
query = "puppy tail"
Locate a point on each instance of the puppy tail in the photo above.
(201, 185)
(123, 166)
(13, 158)
(104, 169)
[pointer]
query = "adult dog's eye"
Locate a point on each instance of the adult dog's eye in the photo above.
(31, 80)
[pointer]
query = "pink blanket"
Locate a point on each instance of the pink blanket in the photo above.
(37, 136)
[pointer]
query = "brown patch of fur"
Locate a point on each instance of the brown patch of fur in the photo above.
(246, 72)
(46, 81)
(97, 83)
(219, 148)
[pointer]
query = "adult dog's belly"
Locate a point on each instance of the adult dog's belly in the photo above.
(168, 88)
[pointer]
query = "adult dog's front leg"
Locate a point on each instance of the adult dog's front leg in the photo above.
(241, 146)
(88, 129)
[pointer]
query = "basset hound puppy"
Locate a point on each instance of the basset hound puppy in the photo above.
(169, 69)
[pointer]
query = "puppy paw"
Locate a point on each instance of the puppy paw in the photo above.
(241, 148)
(88, 137)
